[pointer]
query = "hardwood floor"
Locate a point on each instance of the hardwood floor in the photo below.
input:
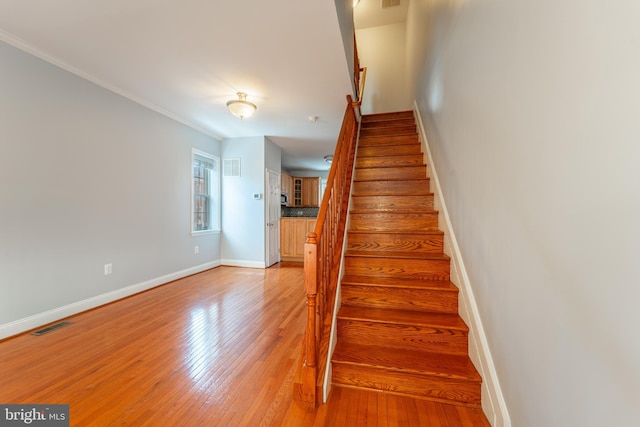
(214, 349)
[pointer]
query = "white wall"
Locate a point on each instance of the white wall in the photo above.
(531, 109)
(382, 51)
(87, 177)
(344, 11)
(272, 156)
(243, 218)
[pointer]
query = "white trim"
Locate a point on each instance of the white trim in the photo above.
(40, 319)
(204, 232)
(268, 200)
(243, 263)
(493, 403)
(28, 48)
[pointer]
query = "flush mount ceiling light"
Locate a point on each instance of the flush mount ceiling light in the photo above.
(241, 107)
(328, 158)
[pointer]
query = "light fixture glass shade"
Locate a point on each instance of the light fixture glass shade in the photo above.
(241, 107)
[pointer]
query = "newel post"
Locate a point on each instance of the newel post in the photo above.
(311, 291)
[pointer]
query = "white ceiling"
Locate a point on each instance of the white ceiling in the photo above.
(187, 58)
(369, 13)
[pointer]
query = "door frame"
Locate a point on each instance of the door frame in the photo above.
(272, 223)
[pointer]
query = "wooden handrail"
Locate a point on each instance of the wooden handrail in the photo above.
(362, 81)
(322, 256)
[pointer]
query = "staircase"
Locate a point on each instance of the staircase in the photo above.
(398, 326)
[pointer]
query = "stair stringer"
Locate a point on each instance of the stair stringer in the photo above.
(493, 402)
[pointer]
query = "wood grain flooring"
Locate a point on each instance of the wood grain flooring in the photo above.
(214, 349)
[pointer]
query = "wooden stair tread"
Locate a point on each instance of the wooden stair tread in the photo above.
(389, 203)
(406, 141)
(390, 282)
(389, 167)
(396, 254)
(371, 155)
(395, 211)
(402, 196)
(410, 156)
(386, 140)
(396, 121)
(404, 317)
(399, 160)
(399, 137)
(391, 196)
(433, 232)
(411, 361)
(390, 174)
(391, 115)
(385, 167)
(390, 130)
(402, 125)
(392, 210)
(390, 179)
(426, 192)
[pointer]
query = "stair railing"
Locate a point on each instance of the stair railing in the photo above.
(322, 257)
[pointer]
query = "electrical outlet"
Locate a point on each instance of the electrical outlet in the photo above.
(108, 269)
(196, 249)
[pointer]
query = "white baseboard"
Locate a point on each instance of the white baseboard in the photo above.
(493, 403)
(44, 318)
(243, 263)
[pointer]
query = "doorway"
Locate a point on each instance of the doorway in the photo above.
(273, 218)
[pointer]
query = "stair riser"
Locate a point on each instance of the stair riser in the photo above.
(390, 161)
(383, 131)
(417, 269)
(411, 337)
(446, 390)
(391, 173)
(388, 203)
(377, 141)
(393, 222)
(438, 301)
(396, 242)
(389, 123)
(387, 116)
(389, 150)
(392, 188)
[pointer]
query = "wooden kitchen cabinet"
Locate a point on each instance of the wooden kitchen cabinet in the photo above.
(311, 191)
(293, 235)
(297, 191)
(286, 186)
(302, 191)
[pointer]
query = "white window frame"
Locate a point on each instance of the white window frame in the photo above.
(214, 193)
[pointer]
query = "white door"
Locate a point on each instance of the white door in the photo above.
(273, 218)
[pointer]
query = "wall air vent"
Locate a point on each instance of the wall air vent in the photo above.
(390, 3)
(231, 167)
(50, 328)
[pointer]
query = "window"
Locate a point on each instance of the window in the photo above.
(205, 200)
